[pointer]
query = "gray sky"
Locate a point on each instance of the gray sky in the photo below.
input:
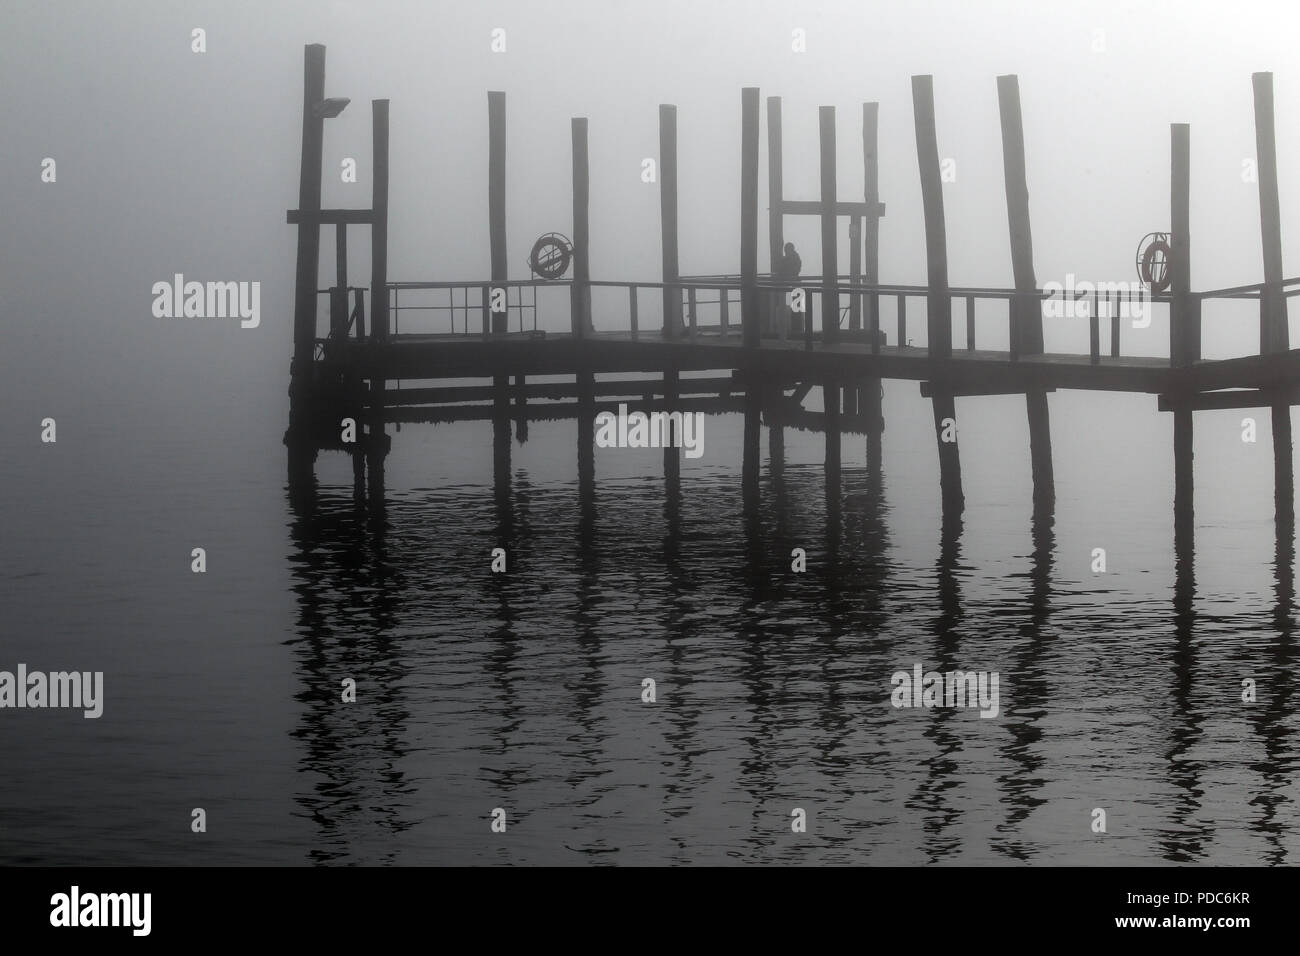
(171, 161)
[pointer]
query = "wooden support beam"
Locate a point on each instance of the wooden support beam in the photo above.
(775, 185)
(377, 440)
(301, 452)
(938, 300)
(1179, 353)
(749, 318)
(855, 273)
(749, 308)
(552, 391)
(1029, 313)
(1274, 335)
(379, 232)
(989, 388)
(329, 217)
(1237, 398)
(869, 395)
(497, 197)
(830, 240)
(814, 207)
(1273, 331)
(668, 217)
(580, 289)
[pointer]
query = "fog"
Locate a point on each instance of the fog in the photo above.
(174, 161)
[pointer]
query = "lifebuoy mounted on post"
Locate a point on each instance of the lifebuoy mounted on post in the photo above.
(551, 256)
(1153, 258)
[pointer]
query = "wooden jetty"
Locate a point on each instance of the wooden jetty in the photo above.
(345, 373)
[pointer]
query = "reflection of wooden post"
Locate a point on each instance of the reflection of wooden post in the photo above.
(1180, 287)
(302, 450)
(869, 397)
(938, 302)
(1029, 319)
(1273, 326)
(748, 287)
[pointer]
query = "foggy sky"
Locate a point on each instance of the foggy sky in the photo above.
(171, 161)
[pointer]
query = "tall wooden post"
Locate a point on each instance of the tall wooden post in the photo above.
(830, 251)
(671, 296)
(668, 216)
(775, 309)
(1180, 287)
(830, 296)
(497, 242)
(377, 440)
(775, 186)
(749, 216)
(749, 317)
(869, 399)
(1273, 328)
(1029, 318)
(497, 196)
(581, 289)
(581, 316)
(299, 439)
(938, 301)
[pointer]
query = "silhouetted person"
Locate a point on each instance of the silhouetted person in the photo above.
(789, 270)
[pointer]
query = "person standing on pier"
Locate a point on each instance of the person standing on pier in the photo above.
(791, 266)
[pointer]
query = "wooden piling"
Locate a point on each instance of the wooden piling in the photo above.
(775, 186)
(830, 295)
(869, 403)
(938, 300)
(497, 196)
(302, 451)
(749, 310)
(500, 273)
(668, 216)
(1029, 312)
(1273, 325)
(580, 291)
(749, 318)
(1180, 289)
(377, 440)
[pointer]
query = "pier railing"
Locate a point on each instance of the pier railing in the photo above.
(711, 306)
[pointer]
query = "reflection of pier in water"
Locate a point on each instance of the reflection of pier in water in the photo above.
(799, 680)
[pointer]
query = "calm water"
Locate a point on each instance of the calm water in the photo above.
(522, 691)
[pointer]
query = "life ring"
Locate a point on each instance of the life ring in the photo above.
(551, 256)
(1154, 261)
